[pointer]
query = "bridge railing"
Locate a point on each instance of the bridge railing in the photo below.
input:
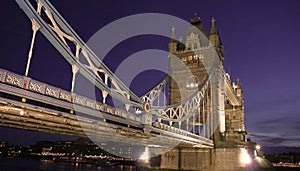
(32, 85)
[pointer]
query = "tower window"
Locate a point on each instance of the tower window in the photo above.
(189, 46)
(195, 46)
(200, 56)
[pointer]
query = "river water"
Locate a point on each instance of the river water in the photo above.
(24, 164)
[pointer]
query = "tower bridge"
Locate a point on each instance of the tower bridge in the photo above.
(204, 117)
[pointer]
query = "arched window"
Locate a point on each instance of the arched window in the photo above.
(192, 82)
(193, 41)
(195, 45)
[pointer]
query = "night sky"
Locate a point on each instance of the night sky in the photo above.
(261, 40)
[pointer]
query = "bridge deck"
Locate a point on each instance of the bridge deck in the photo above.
(28, 104)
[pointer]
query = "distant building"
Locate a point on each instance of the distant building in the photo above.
(3, 148)
(3, 144)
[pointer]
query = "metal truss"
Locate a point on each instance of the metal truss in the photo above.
(177, 112)
(58, 32)
(185, 109)
(155, 92)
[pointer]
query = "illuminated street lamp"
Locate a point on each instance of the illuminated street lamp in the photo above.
(22, 112)
(258, 152)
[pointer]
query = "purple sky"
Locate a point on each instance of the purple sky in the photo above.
(261, 40)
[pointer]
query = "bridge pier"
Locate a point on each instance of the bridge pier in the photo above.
(182, 158)
(205, 159)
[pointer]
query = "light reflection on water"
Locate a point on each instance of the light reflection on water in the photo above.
(23, 164)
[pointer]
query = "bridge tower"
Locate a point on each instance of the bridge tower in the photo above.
(191, 50)
(221, 114)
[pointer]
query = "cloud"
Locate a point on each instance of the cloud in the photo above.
(273, 140)
(278, 131)
(282, 123)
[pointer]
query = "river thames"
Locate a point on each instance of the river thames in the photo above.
(25, 164)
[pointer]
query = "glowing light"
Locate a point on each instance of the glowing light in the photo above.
(191, 85)
(138, 111)
(24, 100)
(154, 145)
(258, 147)
(21, 112)
(145, 155)
(245, 157)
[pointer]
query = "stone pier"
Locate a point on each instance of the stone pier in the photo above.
(205, 159)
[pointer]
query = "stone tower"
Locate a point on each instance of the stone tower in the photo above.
(192, 50)
(224, 103)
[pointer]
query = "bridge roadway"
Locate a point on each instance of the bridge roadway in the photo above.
(28, 104)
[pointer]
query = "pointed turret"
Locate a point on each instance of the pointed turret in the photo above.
(172, 42)
(213, 30)
(215, 40)
(214, 36)
(238, 83)
(173, 39)
(196, 21)
(238, 89)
